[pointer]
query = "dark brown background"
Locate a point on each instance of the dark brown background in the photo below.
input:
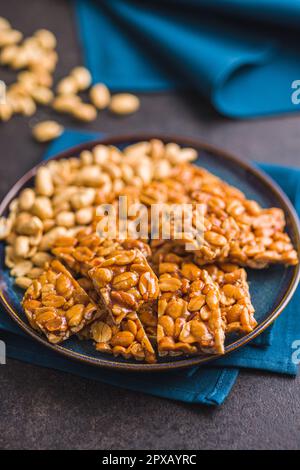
(45, 409)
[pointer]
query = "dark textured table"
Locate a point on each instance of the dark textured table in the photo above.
(46, 409)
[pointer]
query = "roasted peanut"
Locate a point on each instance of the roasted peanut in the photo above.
(84, 216)
(65, 219)
(29, 225)
(8, 54)
(65, 103)
(41, 258)
(9, 36)
(84, 112)
(101, 154)
(42, 95)
(101, 332)
(22, 246)
(6, 111)
(100, 96)
(42, 208)
(82, 77)
(4, 24)
(124, 103)
(67, 86)
(47, 130)
(45, 38)
(43, 182)
(26, 199)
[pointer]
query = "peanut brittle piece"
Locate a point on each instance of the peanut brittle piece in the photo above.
(128, 339)
(124, 282)
(235, 301)
(56, 305)
(87, 250)
(83, 251)
(233, 228)
(236, 229)
(189, 311)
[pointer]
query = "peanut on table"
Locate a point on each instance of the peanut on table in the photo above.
(128, 339)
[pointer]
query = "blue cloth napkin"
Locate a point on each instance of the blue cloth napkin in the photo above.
(210, 385)
(243, 55)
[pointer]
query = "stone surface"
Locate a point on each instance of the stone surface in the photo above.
(45, 409)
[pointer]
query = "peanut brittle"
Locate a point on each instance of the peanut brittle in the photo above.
(233, 228)
(124, 282)
(197, 306)
(189, 313)
(235, 301)
(56, 305)
(128, 339)
(86, 250)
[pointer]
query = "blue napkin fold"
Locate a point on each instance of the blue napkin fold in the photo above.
(210, 385)
(241, 54)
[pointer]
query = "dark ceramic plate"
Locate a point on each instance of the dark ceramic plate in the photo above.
(271, 289)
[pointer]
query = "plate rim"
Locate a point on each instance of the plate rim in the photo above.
(189, 361)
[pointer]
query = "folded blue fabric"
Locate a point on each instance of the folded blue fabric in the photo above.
(241, 54)
(271, 351)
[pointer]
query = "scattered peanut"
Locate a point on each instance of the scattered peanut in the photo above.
(124, 103)
(41, 258)
(85, 112)
(45, 38)
(42, 95)
(37, 56)
(21, 268)
(6, 111)
(22, 246)
(47, 130)
(9, 37)
(100, 96)
(67, 86)
(65, 103)
(4, 23)
(7, 54)
(82, 78)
